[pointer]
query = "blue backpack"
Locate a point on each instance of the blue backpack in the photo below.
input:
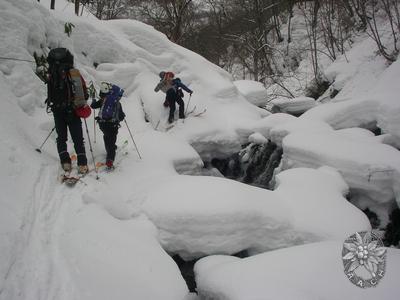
(111, 106)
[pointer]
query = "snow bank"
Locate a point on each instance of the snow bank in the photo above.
(206, 215)
(353, 73)
(345, 114)
(20, 183)
(387, 93)
(295, 106)
(319, 195)
(374, 105)
(313, 271)
(278, 132)
(369, 167)
(265, 125)
(202, 216)
(253, 91)
(110, 259)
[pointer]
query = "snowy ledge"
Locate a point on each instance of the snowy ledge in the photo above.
(198, 216)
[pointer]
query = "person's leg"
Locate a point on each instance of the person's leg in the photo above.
(62, 137)
(75, 129)
(110, 132)
(181, 108)
(171, 101)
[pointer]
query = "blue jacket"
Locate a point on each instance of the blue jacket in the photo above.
(165, 85)
(177, 83)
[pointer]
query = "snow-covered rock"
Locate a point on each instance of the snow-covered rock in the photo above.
(294, 106)
(279, 131)
(202, 216)
(253, 91)
(104, 238)
(370, 168)
(313, 271)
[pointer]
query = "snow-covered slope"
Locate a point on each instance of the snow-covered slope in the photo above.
(110, 238)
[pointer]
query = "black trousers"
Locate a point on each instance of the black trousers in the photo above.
(110, 132)
(64, 120)
(173, 97)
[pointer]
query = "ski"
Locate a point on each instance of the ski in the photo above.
(170, 125)
(193, 114)
(191, 111)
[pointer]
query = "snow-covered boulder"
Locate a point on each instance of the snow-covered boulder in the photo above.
(279, 131)
(202, 216)
(372, 105)
(370, 168)
(295, 106)
(253, 91)
(313, 271)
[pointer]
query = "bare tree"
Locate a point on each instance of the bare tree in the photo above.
(391, 10)
(109, 9)
(310, 14)
(172, 17)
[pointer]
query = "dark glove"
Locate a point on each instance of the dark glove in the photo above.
(122, 116)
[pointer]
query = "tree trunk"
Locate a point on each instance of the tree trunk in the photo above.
(52, 4)
(77, 7)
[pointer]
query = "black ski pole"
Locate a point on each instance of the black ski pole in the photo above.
(94, 125)
(40, 148)
(91, 149)
(187, 106)
(137, 150)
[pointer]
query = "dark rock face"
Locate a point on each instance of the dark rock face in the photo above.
(392, 234)
(254, 165)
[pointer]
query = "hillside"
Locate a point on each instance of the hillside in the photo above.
(114, 238)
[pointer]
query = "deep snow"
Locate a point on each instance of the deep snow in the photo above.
(110, 238)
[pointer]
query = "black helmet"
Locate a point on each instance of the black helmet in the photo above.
(162, 74)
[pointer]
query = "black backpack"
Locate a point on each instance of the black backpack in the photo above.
(59, 86)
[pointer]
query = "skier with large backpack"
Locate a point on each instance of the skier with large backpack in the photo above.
(109, 117)
(66, 98)
(172, 87)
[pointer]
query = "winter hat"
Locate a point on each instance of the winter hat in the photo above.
(105, 87)
(162, 74)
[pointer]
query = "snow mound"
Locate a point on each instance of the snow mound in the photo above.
(370, 168)
(376, 105)
(253, 91)
(313, 271)
(295, 106)
(257, 138)
(202, 216)
(109, 259)
(319, 195)
(279, 131)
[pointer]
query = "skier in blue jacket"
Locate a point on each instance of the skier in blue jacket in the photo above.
(173, 89)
